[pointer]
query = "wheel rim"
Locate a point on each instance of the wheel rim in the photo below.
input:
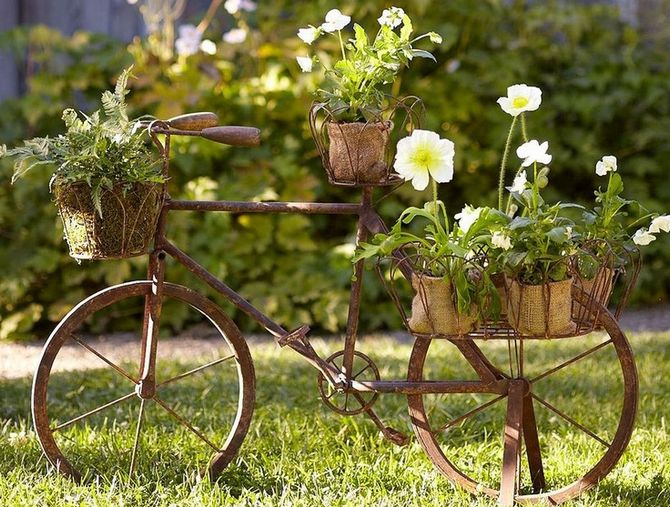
(555, 495)
(173, 384)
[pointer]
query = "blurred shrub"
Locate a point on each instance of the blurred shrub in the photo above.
(605, 91)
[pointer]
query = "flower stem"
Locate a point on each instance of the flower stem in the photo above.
(434, 184)
(524, 133)
(344, 55)
(501, 179)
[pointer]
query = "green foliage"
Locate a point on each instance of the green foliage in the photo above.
(605, 92)
(99, 153)
(356, 85)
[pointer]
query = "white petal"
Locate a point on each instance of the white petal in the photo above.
(420, 180)
(506, 105)
(444, 173)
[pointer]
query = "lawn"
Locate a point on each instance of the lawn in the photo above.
(299, 453)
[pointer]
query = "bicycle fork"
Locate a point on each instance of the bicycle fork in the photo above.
(146, 388)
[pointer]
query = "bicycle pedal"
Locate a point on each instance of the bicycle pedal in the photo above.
(295, 335)
(394, 436)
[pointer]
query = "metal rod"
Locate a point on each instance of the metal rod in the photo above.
(512, 442)
(92, 412)
(185, 423)
(310, 208)
(136, 444)
(103, 358)
(569, 362)
(194, 370)
(533, 451)
(472, 412)
(429, 386)
(571, 421)
(271, 326)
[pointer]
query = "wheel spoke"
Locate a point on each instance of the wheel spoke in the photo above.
(103, 358)
(136, 444)
(361, 371)
(570, 361)
(571, 420)
(92, 412)
(195, 370)
(465, 416)
(186, 424)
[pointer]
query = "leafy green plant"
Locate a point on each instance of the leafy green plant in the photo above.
(99, 153)
(357, 84)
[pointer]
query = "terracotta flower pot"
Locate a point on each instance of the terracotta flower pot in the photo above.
(125, 228)
(434, 309)
(541, 310)
(357, 151)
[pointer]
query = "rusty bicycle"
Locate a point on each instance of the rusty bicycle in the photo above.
(349, 381)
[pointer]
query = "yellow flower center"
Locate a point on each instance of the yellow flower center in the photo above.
(423, 157)
(519, 102)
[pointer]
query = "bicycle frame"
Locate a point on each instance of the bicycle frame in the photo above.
(369, 222)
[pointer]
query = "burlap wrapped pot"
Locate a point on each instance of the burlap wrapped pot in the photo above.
(124, 229)
(541, 310)
(357, 151)
(598, 289)
(434, 309)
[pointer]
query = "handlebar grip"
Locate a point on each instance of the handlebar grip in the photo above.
(234, 136)
(193, 121)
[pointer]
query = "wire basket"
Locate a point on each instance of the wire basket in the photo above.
(510, 309)
(125, 227)
(358, 154)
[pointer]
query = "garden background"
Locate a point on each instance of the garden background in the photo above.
(604, 70)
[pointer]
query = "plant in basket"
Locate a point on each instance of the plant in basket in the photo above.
(453, 289)
(107, 182)
(352, 120)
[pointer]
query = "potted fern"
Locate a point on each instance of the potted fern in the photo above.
(356, 113)
(107, 182)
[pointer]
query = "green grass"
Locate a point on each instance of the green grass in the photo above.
(299, 453)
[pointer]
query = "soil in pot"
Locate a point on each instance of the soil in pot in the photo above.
(357, 151)
(124, 229)
(434, 309)
(541, 310)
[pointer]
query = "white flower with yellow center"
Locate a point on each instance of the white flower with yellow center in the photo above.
(501, 240)
(467, 217)
(423, 155)
(309, 35)
(521, 98)
(391, 17)
(519, 184)
(532, 152)
(335, 21)
(605, 165)
(661, 223)
(643, 237)
(305, 62)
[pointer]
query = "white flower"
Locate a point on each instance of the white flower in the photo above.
(607, 164)
(208, 46)
(391, 17)
(519, 183)
(643, 237)
(424, 154)
(533, 151)
(309, 35)
(233, 6)
(467, 217)
(335, 21)
(501, 240)
(661, 223)
(235, 36)
(521, 98)
(305, 62)
(188, 42)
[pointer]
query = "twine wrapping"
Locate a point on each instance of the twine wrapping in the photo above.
(541, 310)
(434, 310)
(357, 151)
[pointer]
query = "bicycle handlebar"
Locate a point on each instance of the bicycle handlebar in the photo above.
(206, 125)
(235, 136)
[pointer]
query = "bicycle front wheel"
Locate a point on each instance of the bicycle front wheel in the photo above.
(92, 421)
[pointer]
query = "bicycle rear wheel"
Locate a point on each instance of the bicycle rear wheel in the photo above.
(92, 422)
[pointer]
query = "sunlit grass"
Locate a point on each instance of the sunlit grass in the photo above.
(299, 453)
